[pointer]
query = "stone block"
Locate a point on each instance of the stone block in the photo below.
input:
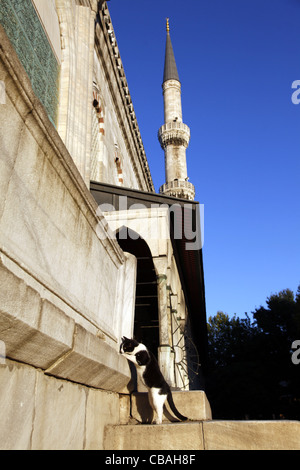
(39, 412)
(125, 408)
(102, 409)
(59, 422)
(17, 402)
(179, 436)
(94, 363)
(251, 435)
(34, 330)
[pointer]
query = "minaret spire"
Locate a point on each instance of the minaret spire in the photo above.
(174, 135)
(170, 70)
(168, 25)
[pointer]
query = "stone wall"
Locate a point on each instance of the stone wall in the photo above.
(39, 412)
(66, 287)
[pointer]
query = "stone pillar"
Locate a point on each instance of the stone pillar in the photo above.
(165, 351)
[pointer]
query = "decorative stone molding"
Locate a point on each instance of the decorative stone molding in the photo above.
(107, 44)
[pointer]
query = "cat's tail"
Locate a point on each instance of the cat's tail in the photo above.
(174, 409)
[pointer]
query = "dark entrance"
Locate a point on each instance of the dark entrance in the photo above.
(146, 324)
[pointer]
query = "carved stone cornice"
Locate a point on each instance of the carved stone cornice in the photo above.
(108, 50)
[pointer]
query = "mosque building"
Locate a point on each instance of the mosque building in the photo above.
(89, 252)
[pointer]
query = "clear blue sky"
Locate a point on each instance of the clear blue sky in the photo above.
(237, 60)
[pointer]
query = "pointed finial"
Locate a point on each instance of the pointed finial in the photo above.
(168, 25)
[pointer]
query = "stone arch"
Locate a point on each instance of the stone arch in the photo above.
(146, 321)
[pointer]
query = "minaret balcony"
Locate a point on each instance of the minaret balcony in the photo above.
(178, 188)
(176, 133)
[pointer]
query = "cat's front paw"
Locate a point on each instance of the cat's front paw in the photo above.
(157, 421)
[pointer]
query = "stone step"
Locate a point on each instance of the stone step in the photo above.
(205, 435)
(192, 404)
(170, 436)
(251, 435)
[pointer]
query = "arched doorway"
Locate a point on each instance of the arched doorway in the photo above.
(146, 324)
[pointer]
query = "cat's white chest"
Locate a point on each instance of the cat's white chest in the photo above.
(140, 370)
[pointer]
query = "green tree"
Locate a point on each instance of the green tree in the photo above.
(250, 369)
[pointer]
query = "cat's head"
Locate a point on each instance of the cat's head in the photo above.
(128, 345)
(135, 351)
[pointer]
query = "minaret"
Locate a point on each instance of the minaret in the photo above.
(174, 135)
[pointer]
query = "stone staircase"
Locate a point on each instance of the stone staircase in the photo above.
(199, 433)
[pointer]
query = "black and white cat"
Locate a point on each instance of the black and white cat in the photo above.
(148, 370)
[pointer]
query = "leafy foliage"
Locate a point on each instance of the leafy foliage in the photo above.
(251, 374)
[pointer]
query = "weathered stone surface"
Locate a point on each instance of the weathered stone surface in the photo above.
(39, 412)
(59, 422)
(93, 362)
(54, 247)
(205, 435)
(102, 408)
(17, 402)
(179, 436)
(34, 330)
(125, 409)
(251, 435)
(49, 223)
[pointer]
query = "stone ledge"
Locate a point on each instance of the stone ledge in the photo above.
(181, 436)
(251, 435)
(38, 333)
(205, 435)
(94, 363)
(34, 330)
